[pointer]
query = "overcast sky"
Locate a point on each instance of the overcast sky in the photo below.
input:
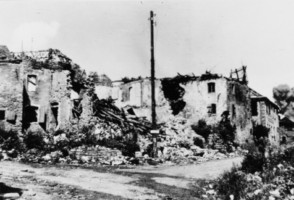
(113, 37)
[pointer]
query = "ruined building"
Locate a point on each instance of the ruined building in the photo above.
(38, 91)
(210, 97)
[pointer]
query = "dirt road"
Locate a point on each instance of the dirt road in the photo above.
(163, 182)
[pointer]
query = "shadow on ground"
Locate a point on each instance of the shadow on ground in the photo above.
(7, 189)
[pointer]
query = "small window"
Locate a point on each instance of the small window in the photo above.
(54, 109)
(129, 97)
(126, 94)
(268, 110)
(77, 108)
(211, 87)
(32, 83)
(2, 114)
(233, 111)
(212, 109)
(254, 108)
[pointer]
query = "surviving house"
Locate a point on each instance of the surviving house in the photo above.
(37, 90)
(265, 112)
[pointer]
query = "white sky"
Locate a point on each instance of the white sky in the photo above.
(113, 37)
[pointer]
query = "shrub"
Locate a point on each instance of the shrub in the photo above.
(232, 183)
(226, 131)
(34, 139)
(201, 128)
(260, 131)
(253, 162)
(199, 142)
(10, 140)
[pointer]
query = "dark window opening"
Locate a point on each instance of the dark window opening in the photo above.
(284, 140)
(211, 87)
(31, 114)
(77, 109)
(212, 109)
(128, 95)
(54, 108)
(2, 114)
(32, 83)
(254, 108)
(43, 124)
(268, 109)
(233, 111)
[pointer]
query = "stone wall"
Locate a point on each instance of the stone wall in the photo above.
(198, 100)
(239, 106)
(52, 90)
(227, 95)
(267, 115)
(11, 97)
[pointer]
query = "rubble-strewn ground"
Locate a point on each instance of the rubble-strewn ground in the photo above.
(148, 182)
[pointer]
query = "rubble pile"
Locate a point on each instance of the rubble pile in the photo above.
(82, 155)
(177, 144)
(106, 110)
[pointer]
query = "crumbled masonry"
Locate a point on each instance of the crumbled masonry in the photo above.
(48, 99)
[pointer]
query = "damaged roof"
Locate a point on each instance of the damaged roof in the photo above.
(258, 97)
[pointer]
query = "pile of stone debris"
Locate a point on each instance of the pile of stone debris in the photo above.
(82, 155)
(176, 145)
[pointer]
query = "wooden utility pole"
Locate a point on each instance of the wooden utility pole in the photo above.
(153, 103)
(154, 132)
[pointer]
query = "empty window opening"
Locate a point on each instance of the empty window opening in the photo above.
(233, 111)
(31, 114)
(212, 109)
(2, 114)
(129, 97)
(32, 83)
(211, 87)
(254, 108)
(126, 94)
(54, 109)
(233, 89)
(77, 109)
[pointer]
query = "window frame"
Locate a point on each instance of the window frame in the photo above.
(211, 87)
(30, 82)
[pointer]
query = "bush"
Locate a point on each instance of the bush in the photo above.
(260, 131)
(201, 128)
(232, 183)
(253, 162)
(10, 140)
(199, 142)
(34, 139)
(226, 131)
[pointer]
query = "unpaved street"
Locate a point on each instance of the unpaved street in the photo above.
(148, 182)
